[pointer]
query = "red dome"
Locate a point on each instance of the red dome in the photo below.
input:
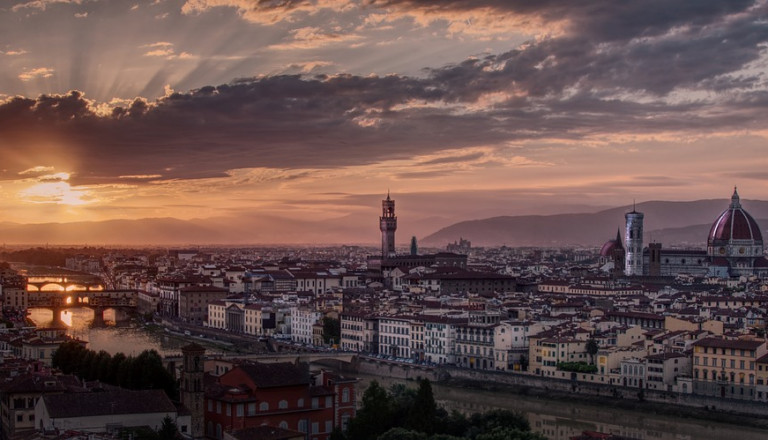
(608, 248)
(735, 224)
(611, 245)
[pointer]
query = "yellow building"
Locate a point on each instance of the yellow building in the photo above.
(725, 367)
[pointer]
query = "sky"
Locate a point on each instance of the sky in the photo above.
(313, 110)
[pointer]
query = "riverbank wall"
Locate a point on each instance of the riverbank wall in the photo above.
(623, 396)
(525, 384)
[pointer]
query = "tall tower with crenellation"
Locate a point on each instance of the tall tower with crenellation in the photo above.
(633, 237)
(388, 225)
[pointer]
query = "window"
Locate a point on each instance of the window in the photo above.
(218, 407)
(264, 406)
(315, 403)
(284, 424)
(345, 395)
(252, 409)
(239, 409)
(315, 427)
(328, 401)
(283, 404)
(300, 403)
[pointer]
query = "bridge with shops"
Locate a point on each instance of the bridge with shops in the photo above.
(97, 300)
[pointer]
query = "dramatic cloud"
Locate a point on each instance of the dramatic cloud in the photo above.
(298, 95)
(40, 72)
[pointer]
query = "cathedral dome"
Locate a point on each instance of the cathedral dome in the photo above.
(734, 224)
(611, 245)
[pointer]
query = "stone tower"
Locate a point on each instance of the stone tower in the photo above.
(191, 389)
(388, 225)
(633, 236)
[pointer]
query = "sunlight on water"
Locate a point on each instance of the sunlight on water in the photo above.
(128, 339)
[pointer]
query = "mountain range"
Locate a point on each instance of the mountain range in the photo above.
(671, 223)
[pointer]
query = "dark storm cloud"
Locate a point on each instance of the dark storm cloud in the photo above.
(602, 21)
(611, 73)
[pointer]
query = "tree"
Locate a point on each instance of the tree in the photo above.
(500, 418)
(424, 410)
(592, 348)
(168, 429)
(331, 330)
(500, 433)
(374, 417)
(402, 434)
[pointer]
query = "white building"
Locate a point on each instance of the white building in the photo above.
(440, 338)
(302, 320)
(510, 343)
(395, 336)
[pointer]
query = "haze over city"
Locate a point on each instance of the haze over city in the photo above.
(313, 110)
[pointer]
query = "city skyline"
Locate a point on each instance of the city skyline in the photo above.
(314, 109)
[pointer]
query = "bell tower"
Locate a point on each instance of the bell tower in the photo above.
(191, 389)
(388, 225)
(634, 243)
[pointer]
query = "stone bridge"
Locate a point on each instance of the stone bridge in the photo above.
(97, 300)
(62, 281)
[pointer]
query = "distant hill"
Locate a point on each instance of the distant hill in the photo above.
(665, 222)
(670, 223)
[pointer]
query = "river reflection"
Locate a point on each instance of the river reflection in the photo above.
(561, 420)
(124, 337)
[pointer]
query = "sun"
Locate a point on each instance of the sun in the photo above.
(55, 189)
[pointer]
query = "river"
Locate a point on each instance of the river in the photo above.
(120, 336)
(556, 419)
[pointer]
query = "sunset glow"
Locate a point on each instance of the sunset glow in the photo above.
(269, 113)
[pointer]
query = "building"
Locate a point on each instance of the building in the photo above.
(192, 389)
(735, 243)
(613, 253)
(302, 321)
(395, 336)
(440, 338)
(359, 332)
(475, 346)
(633, 236)
(169, 288)
(734, 248)
(663, 369)
(194, 300)
(104, 410)
(726, 367)
(19, 396)
(280, 395)
(388, 226)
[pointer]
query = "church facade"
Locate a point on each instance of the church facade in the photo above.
(734, 248)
